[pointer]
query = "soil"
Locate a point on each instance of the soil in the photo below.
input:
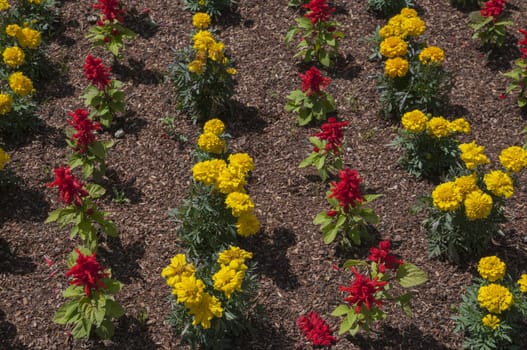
(151, 169)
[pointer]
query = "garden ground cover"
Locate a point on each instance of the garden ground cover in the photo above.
(152, 170)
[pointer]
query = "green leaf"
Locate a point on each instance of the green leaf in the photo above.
(87, 169)
(369, 216)
(73, 291)
(404, 302)
(66, 312)
(322, 219)
(112, 286)
(105, 329)
(90, 93)
(82, 329)
(320, 162)
(75, 161)
(341, 310)
(98, 150)
(330, 233)
(371, 197)
(113, 309)
(54, 215)
(95, 190)
(354, 262)
(309, 160)
(304, 23)
(324, 58)
(409, 275)
(347, 323)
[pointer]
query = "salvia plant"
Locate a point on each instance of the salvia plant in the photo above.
(316, 330)
(211, 7)
(211, 302)
(413, 75)
(326, 156)
(318, 34)
(465, 212)
(348, 214)
(429, 144)
(490, 24)
(518, 74)
(494, 308)
(311, 103)
(388, 7)
(109, 30)
(202, 73)
(91, 305)
(367, 293)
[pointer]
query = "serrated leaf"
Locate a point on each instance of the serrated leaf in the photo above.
(105, 330)
(409, 275)
(95, 191)
(347, 323)
(330, 233)
(113, 309)
(340, 310)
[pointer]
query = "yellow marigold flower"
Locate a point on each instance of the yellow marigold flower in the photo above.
(513, 158)
(414, 121)
(231, 71)
(196, 66)
(466, 184)
(438, 127)
(214, 126)
(216, 51)
(473, 155)
(211, 143)
(4, 158)
(203, 39)
(478, 205)
(230, 181)
(201, 20)
(414, 26)
(28, 37)
(241, 163)
(432, 54)
(228, 280)
(233, 254)
(499, 183)
(14, 56)
(203, 312)
(177, 269)
(388, 31)
(4, 5)
(208, 171)
(491, 268)
(239, 203)
(12, 29)
(446, 197)
(495, 298)
(189, 290)
(522, 282)
(20, 84)
(396, 67)
(201, 2)
(36, 2)
(408, 12)
(247, 225)
(393, 46)
(6, 103)
(491, 321)
(201, 55)
(459, 125)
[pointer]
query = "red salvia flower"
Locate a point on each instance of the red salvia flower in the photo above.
(110, 10)
(493, 8)
(80, 120)
(362, 291)
(96, 72)
(319, 11)
(313, 81)
(315, 329)
(523, 43)
(383, 257)
(332, 133)
(347, 190)
(87, 272)
(70, 189)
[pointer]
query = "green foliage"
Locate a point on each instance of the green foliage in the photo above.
(296, 3)
(387, 8)
(490, 32)
(93, 160)
(353, 224)
(310, 107)
(212, 7)
(42, 17)
(205, 94)
(22, 118)
(318, 43)
(85, 220)
(111, 35)
(478, 336)
(326, 162)
(106, 103)
(518, 75)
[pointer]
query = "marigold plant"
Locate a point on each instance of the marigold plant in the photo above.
(388, 7)
(211, 7)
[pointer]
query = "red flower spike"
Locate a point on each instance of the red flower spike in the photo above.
(319, 11)
(81, 122)
(384, 258)
(331, 213)
(523, 43)
(347, 190)
(110, 10)
(493, 8)
(87, 272)
(71, 190)
(332, 132)
(313, 81)
(362, 291)
(315, 329)
(96, 72)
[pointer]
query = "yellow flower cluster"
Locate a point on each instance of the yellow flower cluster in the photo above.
(190, 291)
(239, 203)
(417, 121)
(28, 37)
(231, 274)
(466, 184)
(406, 23)
(522, 282)
(14, 56)
(514, 158)
(205, 46)
(495, 298)
(4, 158)
(432, 54)
(491, 321)
(473, 155)
(499, 183)
(459, 125)
(447, 197)
(393, 46)
(491, 268)
(20, 84)
(478, 205)
(214, 126)
(414, 121)
(201, 20)
(396, 67)
(4, 5)
(12, 29)
(211, 143)
(438, 127)
(6, 104)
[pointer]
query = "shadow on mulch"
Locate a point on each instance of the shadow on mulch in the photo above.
(392, 338)
(502, 59)
(130, 333)
(52, 80)
(241, 119)
(345, 67)
(140, 23)
(271, 256)
(126, 190)
(230, 18)
(23, 204)
(129, 122)
(266, 333)
(7, 334)
(25, 131)
(451, 111)
(124, 259)
(13, 264)
(59, 35)
(136, 72)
